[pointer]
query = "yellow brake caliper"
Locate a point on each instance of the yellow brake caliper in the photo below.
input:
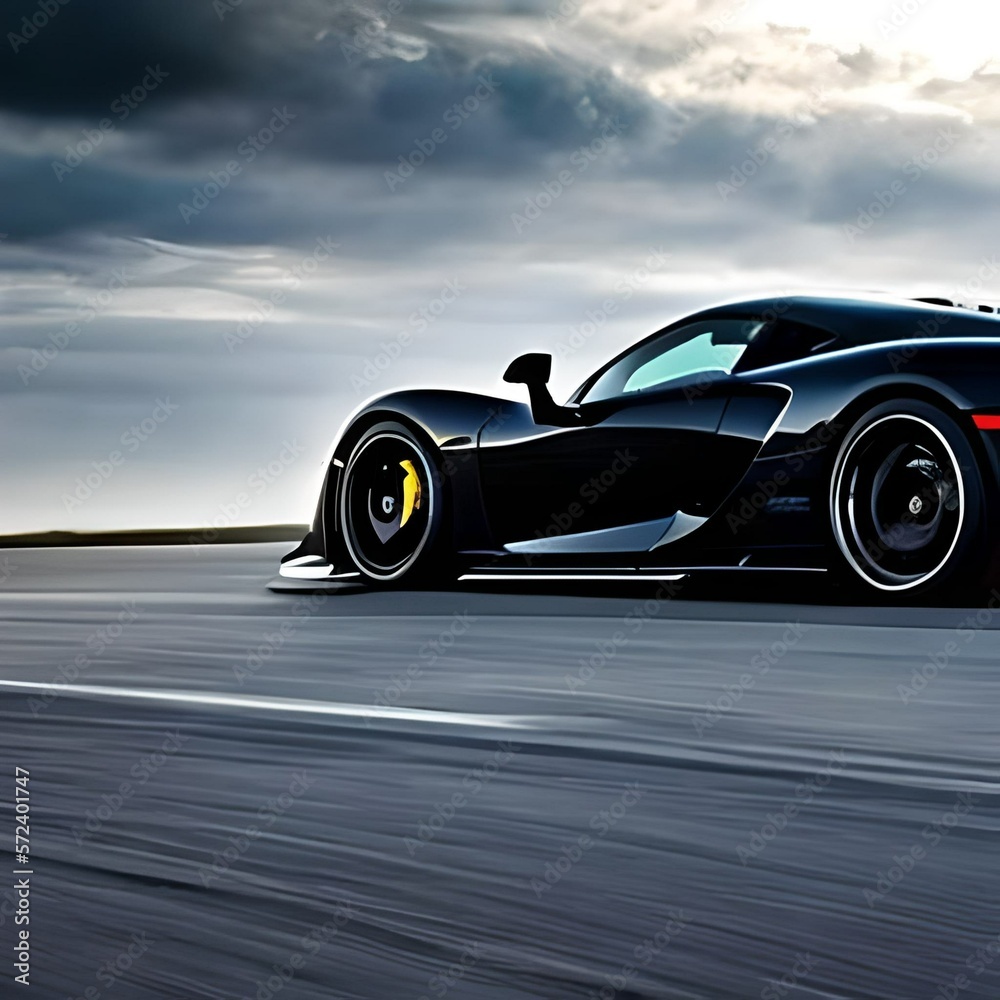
(412, 491)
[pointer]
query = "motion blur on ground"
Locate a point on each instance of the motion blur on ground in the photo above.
(633, 793)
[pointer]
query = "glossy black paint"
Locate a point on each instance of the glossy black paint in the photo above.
(706, 471)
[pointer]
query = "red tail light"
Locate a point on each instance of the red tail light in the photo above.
(987, 421)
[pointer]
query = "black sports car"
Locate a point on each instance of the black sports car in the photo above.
(850, 436)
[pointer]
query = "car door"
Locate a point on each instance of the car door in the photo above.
(647, 449)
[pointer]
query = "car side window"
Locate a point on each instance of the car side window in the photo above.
(714, 346)
(787, 341)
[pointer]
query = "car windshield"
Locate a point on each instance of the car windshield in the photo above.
(714, 346)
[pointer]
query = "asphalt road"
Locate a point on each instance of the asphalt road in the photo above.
(489, 793)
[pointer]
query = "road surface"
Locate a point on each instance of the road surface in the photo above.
(489, 794)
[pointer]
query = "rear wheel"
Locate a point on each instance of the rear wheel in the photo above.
(906, 504)
(391, 507)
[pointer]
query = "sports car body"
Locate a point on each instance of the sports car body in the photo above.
(850, 436)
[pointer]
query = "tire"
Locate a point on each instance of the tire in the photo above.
(392, 508)
(907, 506)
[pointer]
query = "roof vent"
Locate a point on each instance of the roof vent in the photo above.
(931, 300)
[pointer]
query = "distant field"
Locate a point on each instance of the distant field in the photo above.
(166, 536)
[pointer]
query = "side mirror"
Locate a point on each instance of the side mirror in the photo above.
(534, 371)
(530, 369)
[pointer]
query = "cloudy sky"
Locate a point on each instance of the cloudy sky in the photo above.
(220, 218)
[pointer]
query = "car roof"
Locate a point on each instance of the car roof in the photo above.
(857, 320)
(865, 319)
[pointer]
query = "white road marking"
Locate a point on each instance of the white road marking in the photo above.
(258, 703)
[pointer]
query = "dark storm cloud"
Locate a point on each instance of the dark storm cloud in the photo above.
(325, 61)
(364, 89)
(106, 199)
(83, 56)
(354, 89)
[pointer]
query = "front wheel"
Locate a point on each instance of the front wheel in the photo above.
(391, 507)
(906, 503)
